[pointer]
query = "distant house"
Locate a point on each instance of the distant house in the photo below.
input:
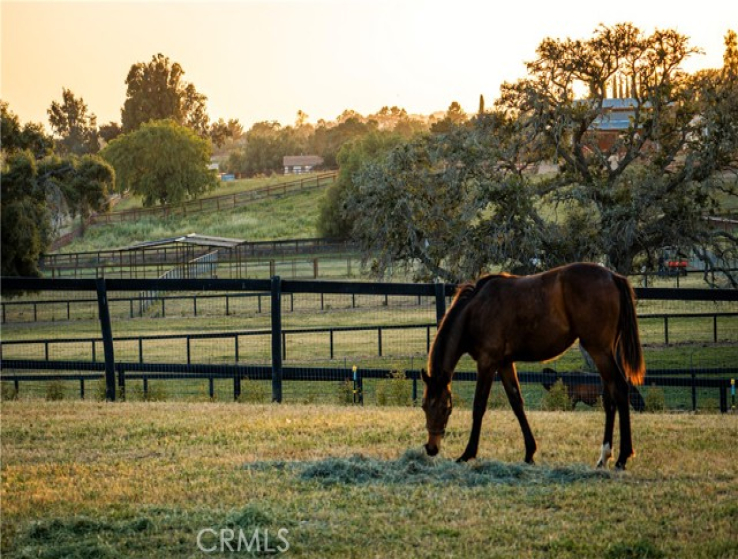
(617, 116)
(296, 164)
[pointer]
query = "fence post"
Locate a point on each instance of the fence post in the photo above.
(276, 339)
(666, 330)
(440, 301)
(724, 398)
(107, 338)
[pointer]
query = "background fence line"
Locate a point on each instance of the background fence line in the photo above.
(298, 258)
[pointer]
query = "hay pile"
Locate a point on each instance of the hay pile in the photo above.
(415, 467)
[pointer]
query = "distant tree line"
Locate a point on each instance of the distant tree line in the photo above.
(266, 143)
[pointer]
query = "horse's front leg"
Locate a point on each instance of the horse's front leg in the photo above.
(485, 376)
(509, 377)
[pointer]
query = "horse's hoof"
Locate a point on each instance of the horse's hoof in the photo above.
(431, 450)
(600, 465)
(620, 466)
(530, 461)
(463, 458)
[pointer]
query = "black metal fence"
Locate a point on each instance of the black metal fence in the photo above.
(305, 258)
(310, 341)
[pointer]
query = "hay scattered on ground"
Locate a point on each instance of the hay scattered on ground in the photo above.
(416, 467)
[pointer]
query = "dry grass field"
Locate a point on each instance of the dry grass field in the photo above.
(177, 479)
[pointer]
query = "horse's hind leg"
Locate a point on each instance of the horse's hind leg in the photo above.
(509, 377)
(610, 407)
(615, 397)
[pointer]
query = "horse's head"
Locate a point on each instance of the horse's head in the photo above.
(548, 383)
(437, 405)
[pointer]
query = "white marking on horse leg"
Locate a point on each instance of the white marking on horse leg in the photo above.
(605, 455)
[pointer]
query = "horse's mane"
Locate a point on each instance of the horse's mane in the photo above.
(465, 292)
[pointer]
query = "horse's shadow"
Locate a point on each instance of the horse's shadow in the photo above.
(415, 467)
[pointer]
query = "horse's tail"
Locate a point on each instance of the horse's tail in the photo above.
(629, 341)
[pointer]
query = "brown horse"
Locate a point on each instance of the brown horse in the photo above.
(502, 319)
(587, 392)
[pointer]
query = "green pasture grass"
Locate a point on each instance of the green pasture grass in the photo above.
(132, 202)
(86, 479)
(289, 217)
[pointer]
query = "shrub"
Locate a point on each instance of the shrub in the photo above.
(654, 399)
(8, 391)
(708, 405)
(55, 390)
(345, 395)
(255, 391)
(557, 398)
(98, 390)
(394, 391)
(155, 392)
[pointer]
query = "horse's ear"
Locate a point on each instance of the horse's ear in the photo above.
(424, 376)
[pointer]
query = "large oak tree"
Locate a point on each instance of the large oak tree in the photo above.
(654, 185)
(465, 200)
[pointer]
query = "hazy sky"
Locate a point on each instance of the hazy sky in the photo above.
(259, 60)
